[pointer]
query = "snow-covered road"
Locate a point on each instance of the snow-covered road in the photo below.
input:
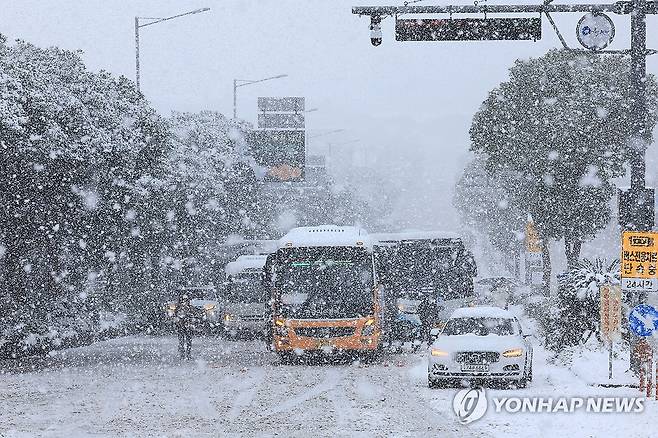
(136, 386)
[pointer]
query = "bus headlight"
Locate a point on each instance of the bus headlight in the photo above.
(228, 317)
(369, 327)
(280, 328)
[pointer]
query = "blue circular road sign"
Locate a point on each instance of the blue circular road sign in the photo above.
(643, 320)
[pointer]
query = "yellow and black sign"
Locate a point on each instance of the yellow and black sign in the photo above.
(532, 240)
(610, 312)
(639, 261)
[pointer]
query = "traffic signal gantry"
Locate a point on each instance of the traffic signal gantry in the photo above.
(595, 32)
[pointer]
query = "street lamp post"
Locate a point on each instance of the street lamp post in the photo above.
(334, 131)
(356, 140)
(243, 82)
(155, 21)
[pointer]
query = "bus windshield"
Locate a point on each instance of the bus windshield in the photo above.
(427, 267)
(326, 283)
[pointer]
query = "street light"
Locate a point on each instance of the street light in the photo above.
(156, 20)
(241, 83)
(326, 133)
(356, 140)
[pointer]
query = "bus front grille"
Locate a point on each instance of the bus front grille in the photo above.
(324, 332)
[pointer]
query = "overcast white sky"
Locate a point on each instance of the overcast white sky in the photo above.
(407, 103)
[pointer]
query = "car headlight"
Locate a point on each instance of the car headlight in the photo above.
(439, 353)
(209, 306)
(229, 317)
(514, 352)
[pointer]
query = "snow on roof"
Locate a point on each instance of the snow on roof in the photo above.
(413, 235)
(325, 235)
(481, 312)
(245, 262)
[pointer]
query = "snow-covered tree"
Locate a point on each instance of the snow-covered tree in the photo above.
(75, 145)
(559, 130)
(485, 206)
(576, 311)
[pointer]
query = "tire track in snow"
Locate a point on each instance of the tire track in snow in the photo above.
(246, 396)
(331, 379)
(344, 407)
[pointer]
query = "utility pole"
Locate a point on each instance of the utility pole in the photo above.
(641, 131)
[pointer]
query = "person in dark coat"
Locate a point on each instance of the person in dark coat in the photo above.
(428, 313)
(185, 315)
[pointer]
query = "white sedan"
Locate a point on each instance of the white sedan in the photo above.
(481, 343)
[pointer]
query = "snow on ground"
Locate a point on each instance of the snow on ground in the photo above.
(136, 386)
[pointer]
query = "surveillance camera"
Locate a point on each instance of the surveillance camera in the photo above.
(375, 30)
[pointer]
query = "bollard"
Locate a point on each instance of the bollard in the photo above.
(648, 367)
(648, 363)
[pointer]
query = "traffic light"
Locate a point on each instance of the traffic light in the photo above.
(468, 29)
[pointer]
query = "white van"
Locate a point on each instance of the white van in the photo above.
(245, 297)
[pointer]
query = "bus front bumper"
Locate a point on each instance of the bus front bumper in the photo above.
(327, 345)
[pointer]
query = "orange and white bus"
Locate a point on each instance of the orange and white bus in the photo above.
(325, 296)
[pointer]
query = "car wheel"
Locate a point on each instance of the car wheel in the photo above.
(435, 383)
(523, 381)
(530, 373)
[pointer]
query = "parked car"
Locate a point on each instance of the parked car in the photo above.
(203, 298)
(481, 343)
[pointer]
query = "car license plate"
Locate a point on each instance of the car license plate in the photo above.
(480, 367)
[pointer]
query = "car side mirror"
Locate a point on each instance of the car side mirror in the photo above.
(526, 335)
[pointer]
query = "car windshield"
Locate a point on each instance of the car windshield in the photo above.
(197, 293)
(479, 326)
(326, 283)
(247, 289)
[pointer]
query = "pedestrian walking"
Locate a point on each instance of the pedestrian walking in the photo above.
(185, 315)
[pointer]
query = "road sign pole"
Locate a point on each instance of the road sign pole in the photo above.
(656, 377)
(610, 362)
